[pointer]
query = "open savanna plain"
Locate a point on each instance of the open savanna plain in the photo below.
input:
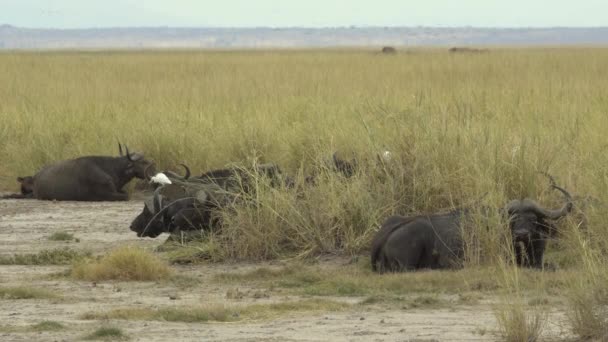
(293, 264)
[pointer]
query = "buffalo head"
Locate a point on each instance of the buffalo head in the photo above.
(137, 165)
(147, 223)
(531, 225)
(27, 185)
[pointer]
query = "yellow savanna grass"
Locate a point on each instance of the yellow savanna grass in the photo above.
(459, 126)
(125, 263)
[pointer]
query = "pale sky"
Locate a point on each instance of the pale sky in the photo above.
(307, 13)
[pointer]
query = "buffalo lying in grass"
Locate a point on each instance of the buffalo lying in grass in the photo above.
(90, 178)
(236, 178)
(193, 204)
(435, 241)
(185, 206)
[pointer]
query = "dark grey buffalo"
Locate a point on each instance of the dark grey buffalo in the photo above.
(457, 49)
(235, 178)
(90, 178)
(389, 50)
(183, 206)
(435, 241)
(194, 203)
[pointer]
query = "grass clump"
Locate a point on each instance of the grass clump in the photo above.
(107, 334)
(124, 263)
(58, 256)
(359, 280)
(518, 324)
(174, 314)
(219, 313)
(48, 326)
(62, 236)
(25, 293)
(416, 302)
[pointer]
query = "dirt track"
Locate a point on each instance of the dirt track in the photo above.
(26, 224)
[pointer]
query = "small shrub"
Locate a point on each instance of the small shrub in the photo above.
(124, 263)
(107, 333)
(588, 310)
(518, 325)
(48, 326)
(61, 236)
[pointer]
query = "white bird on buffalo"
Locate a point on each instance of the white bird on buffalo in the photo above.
(160, 178)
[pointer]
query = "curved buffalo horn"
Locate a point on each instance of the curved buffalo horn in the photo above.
(148, 177)
(187, 171)
(557, 213)
(128, 154)
(551, 178)
(120, 149)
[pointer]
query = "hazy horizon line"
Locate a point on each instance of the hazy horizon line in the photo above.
(303, 27)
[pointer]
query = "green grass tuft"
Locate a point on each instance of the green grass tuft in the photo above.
(25, 293)
(107, 334)
(48, 326)
(219, 313)
(58, 256)
(61, 236)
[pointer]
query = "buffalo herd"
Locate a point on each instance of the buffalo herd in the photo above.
(181, 203)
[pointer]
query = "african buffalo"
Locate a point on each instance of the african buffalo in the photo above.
(236, 178)
(457, 49)
(435, 241)
(178, 206)
(389, 50)
(90, 178)
(192, 203)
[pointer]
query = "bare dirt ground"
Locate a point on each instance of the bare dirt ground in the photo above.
(26, 224)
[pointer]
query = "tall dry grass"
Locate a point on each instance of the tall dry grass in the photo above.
(459, 126)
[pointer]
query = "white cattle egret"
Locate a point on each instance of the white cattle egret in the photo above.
(160, 178)
(387, 155)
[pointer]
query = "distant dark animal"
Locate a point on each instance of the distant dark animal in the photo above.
(466, 50)
(26, 187)
(389, 50)
(90, 178)
(435, 241)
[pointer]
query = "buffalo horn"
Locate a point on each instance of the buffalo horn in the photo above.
(187, 171)
(557, 213)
